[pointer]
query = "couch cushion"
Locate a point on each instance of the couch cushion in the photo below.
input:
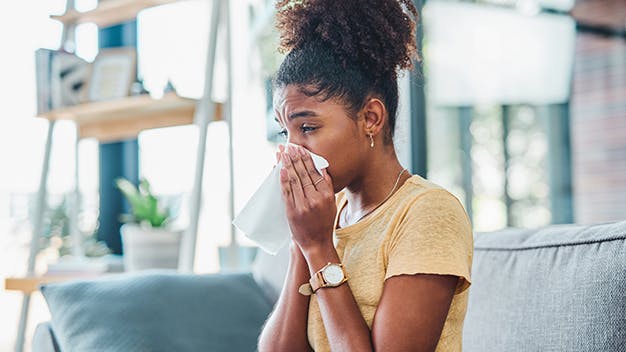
(559, 288)
(158, 311)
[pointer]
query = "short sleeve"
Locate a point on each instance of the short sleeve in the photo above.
(434, 236)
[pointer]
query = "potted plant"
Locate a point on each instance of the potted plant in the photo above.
(147, 239)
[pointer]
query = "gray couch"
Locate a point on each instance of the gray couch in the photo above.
(558, 288)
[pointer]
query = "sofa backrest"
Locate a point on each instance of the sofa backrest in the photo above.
(558, 288)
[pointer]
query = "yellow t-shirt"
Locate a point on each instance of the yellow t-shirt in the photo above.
(423, 229)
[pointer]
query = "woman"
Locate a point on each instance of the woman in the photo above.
(384, 265)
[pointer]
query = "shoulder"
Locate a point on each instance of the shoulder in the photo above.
(433, 235)
(423, 195)
(417, 192)
(429, 213)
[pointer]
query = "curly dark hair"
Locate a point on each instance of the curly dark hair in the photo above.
(347, 49)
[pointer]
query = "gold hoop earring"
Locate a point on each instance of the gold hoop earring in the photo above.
(371, 140)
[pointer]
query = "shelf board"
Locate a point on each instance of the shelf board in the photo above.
(31, 284)
(124, 118)
(110, 12)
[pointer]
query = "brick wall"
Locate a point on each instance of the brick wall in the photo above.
(598, 129)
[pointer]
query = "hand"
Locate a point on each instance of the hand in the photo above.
(309, 199)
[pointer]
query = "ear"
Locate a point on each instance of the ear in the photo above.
(375, 114)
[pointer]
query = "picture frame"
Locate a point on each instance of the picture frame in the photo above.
(112, 74)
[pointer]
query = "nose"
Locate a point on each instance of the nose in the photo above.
(298, 141)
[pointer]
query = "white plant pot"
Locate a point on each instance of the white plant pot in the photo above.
(150, 248)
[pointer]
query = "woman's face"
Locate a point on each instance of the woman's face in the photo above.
(324, 128)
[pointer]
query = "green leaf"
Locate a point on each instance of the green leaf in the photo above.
(144, 187)
(144, 205)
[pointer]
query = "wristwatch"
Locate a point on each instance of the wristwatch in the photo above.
(331, 275)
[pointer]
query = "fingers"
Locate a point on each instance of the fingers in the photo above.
(285, 186)
(317, 178)
(285, 179)
(305, 180)
(293, 179)
(298, 164)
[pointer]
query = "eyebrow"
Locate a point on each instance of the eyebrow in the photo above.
(298, 114)
(304, 113)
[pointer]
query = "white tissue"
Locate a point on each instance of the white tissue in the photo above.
(264, 219)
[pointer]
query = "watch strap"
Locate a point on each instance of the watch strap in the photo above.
(313, 285)
(317, 281)
(305, 289)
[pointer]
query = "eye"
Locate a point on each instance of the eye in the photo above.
(306, 129)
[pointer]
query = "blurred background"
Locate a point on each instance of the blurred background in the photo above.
(520, 111)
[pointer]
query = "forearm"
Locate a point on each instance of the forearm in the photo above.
(345, 326)
(286, 329)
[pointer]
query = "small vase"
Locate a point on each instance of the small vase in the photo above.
(150, 248)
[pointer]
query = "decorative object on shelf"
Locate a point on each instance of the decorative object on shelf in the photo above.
(137, 88)
(70, 78)
(169, 87)
(113, 73)
(62, 79)
(147, 239)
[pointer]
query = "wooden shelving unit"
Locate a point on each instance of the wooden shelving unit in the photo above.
(110, 12)
(121, 119)
(124, 118)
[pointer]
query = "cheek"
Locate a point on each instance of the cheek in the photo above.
(339, 146)
(332, 150)
(343, 164)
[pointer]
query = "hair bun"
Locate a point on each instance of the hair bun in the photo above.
(377, 35)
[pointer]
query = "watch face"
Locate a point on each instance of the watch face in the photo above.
(333, 274)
